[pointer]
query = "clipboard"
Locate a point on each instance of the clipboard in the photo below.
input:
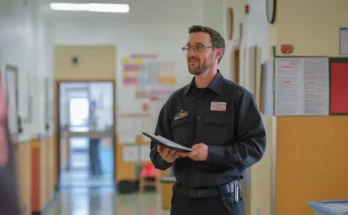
(167, 143)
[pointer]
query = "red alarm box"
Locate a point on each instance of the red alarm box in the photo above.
(287, 48)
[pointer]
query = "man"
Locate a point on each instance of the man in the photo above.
(220, 121)
(94, 142)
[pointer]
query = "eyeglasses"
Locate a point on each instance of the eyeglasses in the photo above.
(195, 48)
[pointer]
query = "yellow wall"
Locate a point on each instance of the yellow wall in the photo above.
(42, 170)
(312, 26)
(47, 171)
(95, 62)
(34, 161)
(311, 162)
(23, 162)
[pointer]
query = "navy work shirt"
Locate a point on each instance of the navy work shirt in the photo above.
(223, 116)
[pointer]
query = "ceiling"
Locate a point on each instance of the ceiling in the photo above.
(138, 8)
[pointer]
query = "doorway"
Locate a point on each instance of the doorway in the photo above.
(86, 134)
(236, 60)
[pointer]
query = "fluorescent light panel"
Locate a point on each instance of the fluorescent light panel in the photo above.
(91, 7)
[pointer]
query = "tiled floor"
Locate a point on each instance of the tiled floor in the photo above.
(79, 175)
(105, 202)
(82, 194)
(76, 179)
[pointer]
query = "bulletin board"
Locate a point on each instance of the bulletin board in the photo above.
(310, 86)
(338, 86)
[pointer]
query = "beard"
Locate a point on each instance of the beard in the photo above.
(201, 67)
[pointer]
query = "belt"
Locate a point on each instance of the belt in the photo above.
(207, 192)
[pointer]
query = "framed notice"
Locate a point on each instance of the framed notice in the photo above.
(301, 86)
(11, 80)
(338, 86)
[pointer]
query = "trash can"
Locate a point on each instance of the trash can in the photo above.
(330, 207)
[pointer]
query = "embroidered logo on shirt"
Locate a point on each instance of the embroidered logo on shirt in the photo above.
(181, 114)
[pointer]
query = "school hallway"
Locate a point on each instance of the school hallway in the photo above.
(85, 78)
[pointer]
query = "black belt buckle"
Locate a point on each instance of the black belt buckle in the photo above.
(195, 193)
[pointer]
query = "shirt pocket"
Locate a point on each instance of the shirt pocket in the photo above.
(182, 131)
(218, 130)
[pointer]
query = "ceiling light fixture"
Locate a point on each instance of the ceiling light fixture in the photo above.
(91, 7)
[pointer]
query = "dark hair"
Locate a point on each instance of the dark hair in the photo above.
(216, 39)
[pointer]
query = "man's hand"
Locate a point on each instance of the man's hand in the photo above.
(200, 152)
(169, 155)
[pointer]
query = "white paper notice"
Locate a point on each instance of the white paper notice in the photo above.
(316, 82)
(145, 153)
(289, 86)
(127, 137)
(130, 153)
(302, 86)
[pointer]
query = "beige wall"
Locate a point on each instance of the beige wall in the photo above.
(95, 63)
(312, 26)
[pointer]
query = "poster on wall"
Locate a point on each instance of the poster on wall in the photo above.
(338, 86)
(301, 86)
(129, 72)
(167, 73)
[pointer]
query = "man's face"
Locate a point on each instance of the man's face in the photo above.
(204, 57)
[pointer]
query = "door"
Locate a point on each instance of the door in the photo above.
(87, 134)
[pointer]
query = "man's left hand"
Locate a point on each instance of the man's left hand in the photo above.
(199, 153)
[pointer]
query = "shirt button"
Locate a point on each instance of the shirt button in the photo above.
(199, 117)
(199, 101)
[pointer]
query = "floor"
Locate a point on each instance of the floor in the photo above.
(78, 175)
(82, 194)
(76, 179)
(105, 202)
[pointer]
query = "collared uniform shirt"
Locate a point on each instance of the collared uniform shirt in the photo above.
(223, 116)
